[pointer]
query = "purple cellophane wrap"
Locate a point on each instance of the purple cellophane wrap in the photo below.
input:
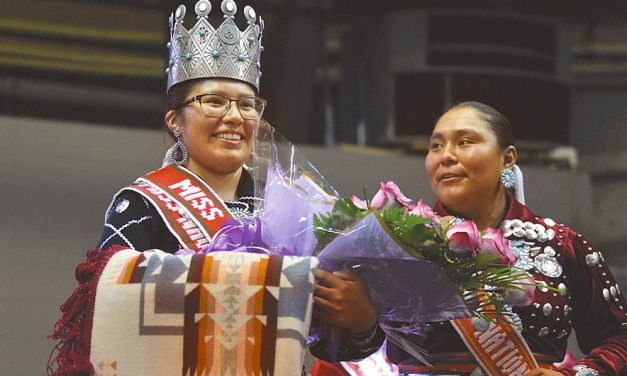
(288, 210)
(406, 291)
(403, 288)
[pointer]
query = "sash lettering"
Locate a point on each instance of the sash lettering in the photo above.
(500, 349)
(197, 199)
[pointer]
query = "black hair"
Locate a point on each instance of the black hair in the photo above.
(178, 93)
(497, 122)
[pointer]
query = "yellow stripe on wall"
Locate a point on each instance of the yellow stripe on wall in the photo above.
(92, 68)
(21, 53)
(74, 31)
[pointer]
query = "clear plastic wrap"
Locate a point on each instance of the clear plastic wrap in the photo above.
(406, 291)
(273, 152)
(292, 191)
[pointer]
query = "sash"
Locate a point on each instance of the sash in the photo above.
(459, 364)
(498, 347)
(190, 209)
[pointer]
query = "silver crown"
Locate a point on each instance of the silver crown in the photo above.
(207, 52)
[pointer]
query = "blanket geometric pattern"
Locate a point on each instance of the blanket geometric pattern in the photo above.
(223, 313)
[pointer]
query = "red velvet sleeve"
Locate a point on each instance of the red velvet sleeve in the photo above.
(598, 308)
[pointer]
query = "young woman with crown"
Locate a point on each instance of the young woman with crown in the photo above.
(213, 113)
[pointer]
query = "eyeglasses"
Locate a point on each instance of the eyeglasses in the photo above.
(216, 105)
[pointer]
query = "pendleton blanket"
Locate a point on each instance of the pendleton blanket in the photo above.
(223, 313)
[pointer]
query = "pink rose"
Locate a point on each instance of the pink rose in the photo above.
(464, 238)
(389, 196)
(493, 243)
(361, 204)
(523, 295)
(422, 210)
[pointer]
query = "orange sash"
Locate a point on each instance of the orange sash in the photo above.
(498, 347)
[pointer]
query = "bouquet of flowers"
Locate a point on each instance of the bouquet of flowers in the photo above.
(416, 270)
(479, 264)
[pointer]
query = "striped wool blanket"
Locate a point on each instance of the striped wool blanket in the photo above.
(152, 313)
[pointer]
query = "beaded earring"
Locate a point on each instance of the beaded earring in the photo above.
(507, 178)
(177, 150)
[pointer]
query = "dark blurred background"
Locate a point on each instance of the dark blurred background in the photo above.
(364, 72)
(358, 84)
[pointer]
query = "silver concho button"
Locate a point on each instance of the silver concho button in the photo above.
(547, 309)
(518, 232)
(549, 251)
(548, 265)
(479, 324)
(539, 228)
(592, 259)
(507, 233)
(528, 226)
(549, 222)
(543, 332)
(606, 294)
(517, 223)
(562, 288)
(550, 234)
(613, 292)
(542, 237)
(506, 224)
(121, 206)
(531, 234)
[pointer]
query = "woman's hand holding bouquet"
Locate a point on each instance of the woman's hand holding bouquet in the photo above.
(480, 264)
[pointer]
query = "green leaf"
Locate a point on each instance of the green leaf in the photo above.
(328, 227)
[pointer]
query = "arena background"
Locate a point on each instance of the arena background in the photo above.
(357, 84)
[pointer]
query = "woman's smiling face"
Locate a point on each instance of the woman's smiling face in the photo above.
(464, 160)
(220, 145)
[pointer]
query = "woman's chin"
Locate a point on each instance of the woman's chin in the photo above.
(454, 200)
(222, 164)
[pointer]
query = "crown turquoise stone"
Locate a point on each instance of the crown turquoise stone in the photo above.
(207, 52)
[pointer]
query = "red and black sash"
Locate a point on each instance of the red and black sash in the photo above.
(190, 209)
